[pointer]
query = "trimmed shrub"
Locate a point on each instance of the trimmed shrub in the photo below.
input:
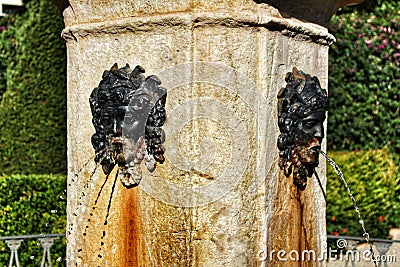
(364, 79)
(6, 50)
(33, 107)
(33, 204)
(373, 179)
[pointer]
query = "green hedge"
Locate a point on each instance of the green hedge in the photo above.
(373, 178)
(33, 204)
(33, 107)
(364, 79)
(6, 50)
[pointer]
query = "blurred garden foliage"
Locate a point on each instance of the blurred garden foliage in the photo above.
(364, 78)
(33, 131)
(373, 178)
(33, 89)
(32, 204)
(364, 91)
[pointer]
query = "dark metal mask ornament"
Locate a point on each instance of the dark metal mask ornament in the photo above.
(302, 105)
(128, 112)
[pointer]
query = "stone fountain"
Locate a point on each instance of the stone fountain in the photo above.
(219, 199)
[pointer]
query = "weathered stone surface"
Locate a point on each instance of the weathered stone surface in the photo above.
(219, 199)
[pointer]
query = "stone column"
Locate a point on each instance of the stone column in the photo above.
(220, 198)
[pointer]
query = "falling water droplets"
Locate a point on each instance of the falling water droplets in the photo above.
(353, 200)
(83, 200)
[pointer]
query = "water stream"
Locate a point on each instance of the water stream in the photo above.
(353, 200)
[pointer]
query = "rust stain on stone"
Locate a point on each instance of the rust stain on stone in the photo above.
(131, 229)
(299, 232)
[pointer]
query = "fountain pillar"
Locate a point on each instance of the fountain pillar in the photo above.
(220, 198)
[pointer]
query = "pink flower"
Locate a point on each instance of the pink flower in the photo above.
(368, 43)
